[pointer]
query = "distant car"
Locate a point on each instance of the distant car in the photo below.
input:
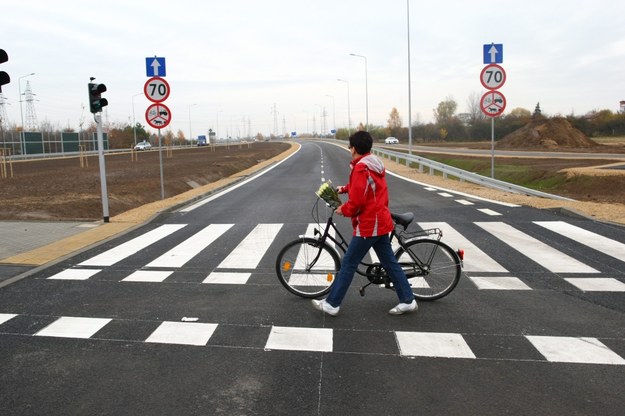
(391, 140)
(143, 146)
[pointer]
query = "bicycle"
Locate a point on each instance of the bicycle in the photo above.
(308, 265)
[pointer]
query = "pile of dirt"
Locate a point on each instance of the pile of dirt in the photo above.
(546, 133)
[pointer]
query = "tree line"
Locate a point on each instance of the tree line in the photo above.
(475, 126)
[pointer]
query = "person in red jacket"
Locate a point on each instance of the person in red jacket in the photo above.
(367, 206)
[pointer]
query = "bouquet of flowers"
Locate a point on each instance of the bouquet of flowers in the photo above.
(329, 194)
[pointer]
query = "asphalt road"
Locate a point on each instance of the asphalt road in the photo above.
(186, 316)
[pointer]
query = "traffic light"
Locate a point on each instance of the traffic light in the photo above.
(4, 77)
(96, 102)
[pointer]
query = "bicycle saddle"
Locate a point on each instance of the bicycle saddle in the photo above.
(403, 219)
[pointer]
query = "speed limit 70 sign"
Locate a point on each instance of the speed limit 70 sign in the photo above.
(493, 77)
(156, 89)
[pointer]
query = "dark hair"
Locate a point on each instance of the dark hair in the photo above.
(361, 141)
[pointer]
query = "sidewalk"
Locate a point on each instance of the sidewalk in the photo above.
(27, 246)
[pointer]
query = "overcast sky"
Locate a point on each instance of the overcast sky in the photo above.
(229, 61)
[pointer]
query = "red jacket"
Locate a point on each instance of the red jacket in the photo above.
(367, 203)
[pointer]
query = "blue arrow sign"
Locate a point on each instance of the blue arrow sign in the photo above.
(155, 67)
(493, 53)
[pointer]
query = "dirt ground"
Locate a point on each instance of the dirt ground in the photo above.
(59, 189)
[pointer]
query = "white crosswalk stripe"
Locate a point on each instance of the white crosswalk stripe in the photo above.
(595, 241)
(248, 254)
(537, 251)
(555, 349)
(482, 269)
(119, 253)
(475, 259)
(185, 251)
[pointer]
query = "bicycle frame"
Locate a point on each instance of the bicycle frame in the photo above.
(416, 264)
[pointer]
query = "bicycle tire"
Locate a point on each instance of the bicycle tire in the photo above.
(438, 273)
(293, 267)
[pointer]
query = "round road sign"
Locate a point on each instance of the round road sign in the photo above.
(158, 115)
(156, 89)
(493, 76)
(493, 103)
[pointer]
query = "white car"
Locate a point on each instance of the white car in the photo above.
(143, 146)
(391, 140)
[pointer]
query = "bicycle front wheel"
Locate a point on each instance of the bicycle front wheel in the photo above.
(433, 268)
(306, 267)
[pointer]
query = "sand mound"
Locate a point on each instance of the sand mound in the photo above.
(546, 134)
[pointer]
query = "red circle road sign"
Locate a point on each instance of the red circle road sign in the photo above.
(493, 103)
(492, 77)
(158, 115)
(156, 89)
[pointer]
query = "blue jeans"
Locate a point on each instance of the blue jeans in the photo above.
(356, 251)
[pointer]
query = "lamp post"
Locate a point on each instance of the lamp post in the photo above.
(366, 88)
(19, 82)
(349, 116)
(409, 89)
(333, 114)
(134, 121)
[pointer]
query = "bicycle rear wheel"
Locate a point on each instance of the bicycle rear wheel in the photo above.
(307, 267)
(433, 268)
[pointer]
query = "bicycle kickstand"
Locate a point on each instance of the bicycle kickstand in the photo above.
(362, 289)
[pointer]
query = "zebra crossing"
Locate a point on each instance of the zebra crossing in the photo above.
(539, 348)
(481, 268)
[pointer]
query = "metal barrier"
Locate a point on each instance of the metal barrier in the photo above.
(462, 175)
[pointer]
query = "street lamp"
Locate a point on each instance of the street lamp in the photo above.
(409, 89)
(349, 116)
(19, 82)
(366, 88)
(134, 122)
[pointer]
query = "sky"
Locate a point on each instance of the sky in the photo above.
(240, 67)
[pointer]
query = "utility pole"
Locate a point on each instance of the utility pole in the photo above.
(275, 119)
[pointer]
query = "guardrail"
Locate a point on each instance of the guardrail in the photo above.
(461, 174)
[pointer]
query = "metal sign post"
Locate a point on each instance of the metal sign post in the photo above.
(158, 115)
(493, 103)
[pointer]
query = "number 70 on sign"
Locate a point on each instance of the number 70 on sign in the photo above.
(493, 76)
(156, 89)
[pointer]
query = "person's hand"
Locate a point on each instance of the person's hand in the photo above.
(340, 189)
(339, 211)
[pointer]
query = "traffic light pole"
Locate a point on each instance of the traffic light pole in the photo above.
(105, 201)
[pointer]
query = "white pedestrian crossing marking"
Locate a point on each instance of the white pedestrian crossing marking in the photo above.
(6, 316)
(430, 344)
(73, 327)
(575, 350)
(537, 251)
(300, 339)
(127, 249)
(185, 333)
(579, 350)
(251, 250)
(148, 276)
(597, 284)
(226, 278)
(475, 260)
(498, 283)
(75, 274)
(595, 241)
(185, 251)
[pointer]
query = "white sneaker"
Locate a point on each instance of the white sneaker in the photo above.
(325, 307)
(404, 308)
